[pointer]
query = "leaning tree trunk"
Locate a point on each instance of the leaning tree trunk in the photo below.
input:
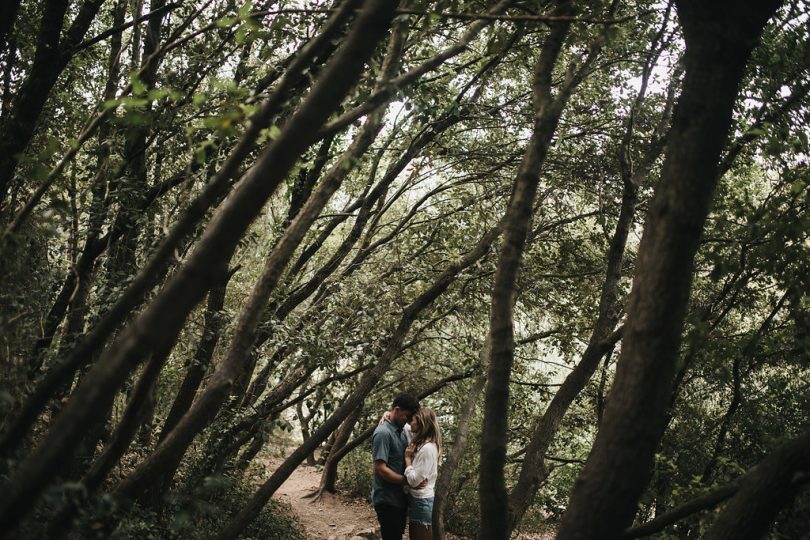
(330, 468)
(391, 351)
(205, 266)
(533, 471)
(8, 14)
(294, 79)
(719, 39)
(763, 492)
(445, 479)
(198, 365)
(493, 495)
(50, 59)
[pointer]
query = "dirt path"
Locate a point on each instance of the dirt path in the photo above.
(333, 517)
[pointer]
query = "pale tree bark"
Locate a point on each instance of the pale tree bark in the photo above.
(547, 111)
(303, 420)
(205, 266)
(719, 38)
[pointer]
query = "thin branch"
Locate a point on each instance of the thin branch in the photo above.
(545, 19)
(118, 29)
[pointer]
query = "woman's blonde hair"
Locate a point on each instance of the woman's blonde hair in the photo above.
(427, 429)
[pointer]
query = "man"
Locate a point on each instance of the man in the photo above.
(388, 452)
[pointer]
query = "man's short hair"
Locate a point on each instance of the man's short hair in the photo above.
(407, 402)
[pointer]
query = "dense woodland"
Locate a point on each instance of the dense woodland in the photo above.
(578, 230)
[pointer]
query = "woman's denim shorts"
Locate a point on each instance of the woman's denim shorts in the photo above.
(420, 511)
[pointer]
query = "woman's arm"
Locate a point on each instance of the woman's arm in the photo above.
(422, 466)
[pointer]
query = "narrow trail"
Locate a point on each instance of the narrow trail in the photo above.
(333, 517)
(339, 516)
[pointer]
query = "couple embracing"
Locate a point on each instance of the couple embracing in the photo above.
(405, 448)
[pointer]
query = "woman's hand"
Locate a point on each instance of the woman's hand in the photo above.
(409, 451)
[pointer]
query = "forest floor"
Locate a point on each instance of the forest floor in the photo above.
(333, 517)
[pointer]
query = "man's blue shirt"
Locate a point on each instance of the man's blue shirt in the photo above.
(388, 444)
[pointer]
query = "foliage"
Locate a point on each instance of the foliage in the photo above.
(743, 363)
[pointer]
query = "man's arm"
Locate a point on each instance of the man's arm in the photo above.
(382, 470)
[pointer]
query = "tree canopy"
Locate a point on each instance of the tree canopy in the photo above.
(577, 230)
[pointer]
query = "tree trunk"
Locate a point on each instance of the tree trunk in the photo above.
(50, 59)
(369, 380)
(763, 492)
(166, 314)
(445, 479)
(198, 365)
(330, 468)
(304, 419)
(493, 495)
(8, 14)
(719, 38)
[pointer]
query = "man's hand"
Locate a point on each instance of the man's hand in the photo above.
(382, 470)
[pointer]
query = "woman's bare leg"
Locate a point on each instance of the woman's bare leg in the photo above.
(420, 532)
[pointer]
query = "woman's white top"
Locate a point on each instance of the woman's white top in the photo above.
(425, 466)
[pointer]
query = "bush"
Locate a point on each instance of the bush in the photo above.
(354, 472)
(197, 516)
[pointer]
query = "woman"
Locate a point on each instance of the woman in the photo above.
(421, 464)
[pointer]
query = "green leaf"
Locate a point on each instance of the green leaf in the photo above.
(226, 22)
(138, 86)
(110, 104)
(244, 11)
